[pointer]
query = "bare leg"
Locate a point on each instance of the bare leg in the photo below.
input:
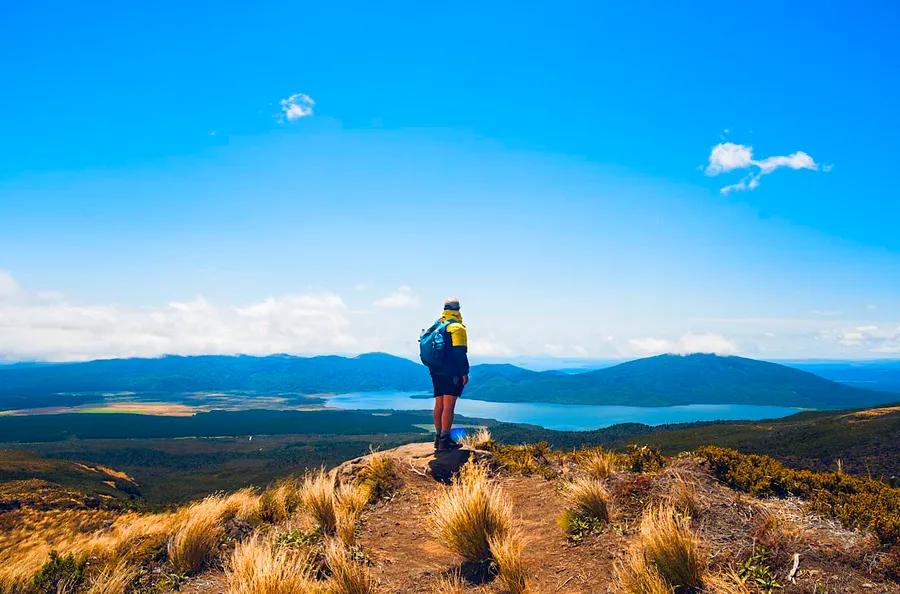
(438, 413)
(448, 407)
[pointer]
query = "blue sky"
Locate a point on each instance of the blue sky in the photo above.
(550, 164)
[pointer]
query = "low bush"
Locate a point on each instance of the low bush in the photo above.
(644, 459)
(59, 574)
(856, 502)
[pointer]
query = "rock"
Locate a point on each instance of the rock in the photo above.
(421, 458)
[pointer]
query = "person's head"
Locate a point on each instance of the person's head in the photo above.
(451, 303)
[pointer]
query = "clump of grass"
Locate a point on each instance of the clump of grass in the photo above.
(450, 584)
(280, 500)
(478, 440)
(589, 508)
(775, 533)
(348, 576)
(245, 505)
(681, 494)
(726, 583)
(317, 493)
(259, 566)
(114, 578)
(598, 463)
(470, 512)
(379, 477)
(350, 501)
(192, 546)
(669, 544)
(506, 549)
(635, 576)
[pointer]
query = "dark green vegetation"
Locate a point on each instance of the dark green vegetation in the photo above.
(667, 380)
(866, 442)
(655, 381)
(176, 470)
(37, 428)
(66, 384)
(856, 502)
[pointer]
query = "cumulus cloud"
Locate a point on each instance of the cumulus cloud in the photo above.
(729, 156)
(874, 338)
(688, 343)
(45, 326)
(297, 106)
(404, 297)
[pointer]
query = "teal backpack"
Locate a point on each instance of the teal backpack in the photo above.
(434, 344)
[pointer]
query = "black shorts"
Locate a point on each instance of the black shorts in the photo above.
(445, 385)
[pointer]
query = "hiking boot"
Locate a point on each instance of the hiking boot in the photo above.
(437, 441)
(446, 444)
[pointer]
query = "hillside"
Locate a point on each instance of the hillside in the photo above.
(75, 383)
(864, 441)
(524, 519)
(667, 380)
(664, 380)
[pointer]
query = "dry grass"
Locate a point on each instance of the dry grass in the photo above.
(245, 505)
(590, 506)
(195, 543)
(380, 477)
(635, 576)
(506, 548)
(775, 532)
(726, 583)
(450, 584)
(347, 575)
(114, 578)
(351, 499)
(681, 494)
(259, 566)
(599, 464)
(280, 500)
(478, 440)
(317, 494)
(468, 513)
(669, 544)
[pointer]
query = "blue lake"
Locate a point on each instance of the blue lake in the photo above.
(571, 417)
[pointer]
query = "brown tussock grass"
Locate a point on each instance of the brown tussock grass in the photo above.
(635, 576)
(259, 566)
(349, 505)
(599, 464)
(280, 500)
(775, 532)
(196, 541)
(468, 513)
(669, 544)
(588, 499)
(506, 549)
(726, 583)
(478, 440)
(317, 494)
(114, 578)
(681, 494)
(449, 584)
(245, 505)
(347, 575)
(380, 477)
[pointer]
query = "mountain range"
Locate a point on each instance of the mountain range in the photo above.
(663, 380)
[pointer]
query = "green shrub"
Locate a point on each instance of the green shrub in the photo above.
(856, 502)
(644, 458)
(59, 574)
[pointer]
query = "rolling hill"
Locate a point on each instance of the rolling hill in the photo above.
(663, 380)
(667, 380)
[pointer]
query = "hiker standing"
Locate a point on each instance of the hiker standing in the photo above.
(443, 349)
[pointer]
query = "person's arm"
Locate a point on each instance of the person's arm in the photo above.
(459, 351)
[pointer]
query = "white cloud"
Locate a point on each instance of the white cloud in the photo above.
(488, 347)
(729, 156)
(297, 106)
(688, 343)
(404, 297)
(47, 327)
(868, 337)
(9, 288)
